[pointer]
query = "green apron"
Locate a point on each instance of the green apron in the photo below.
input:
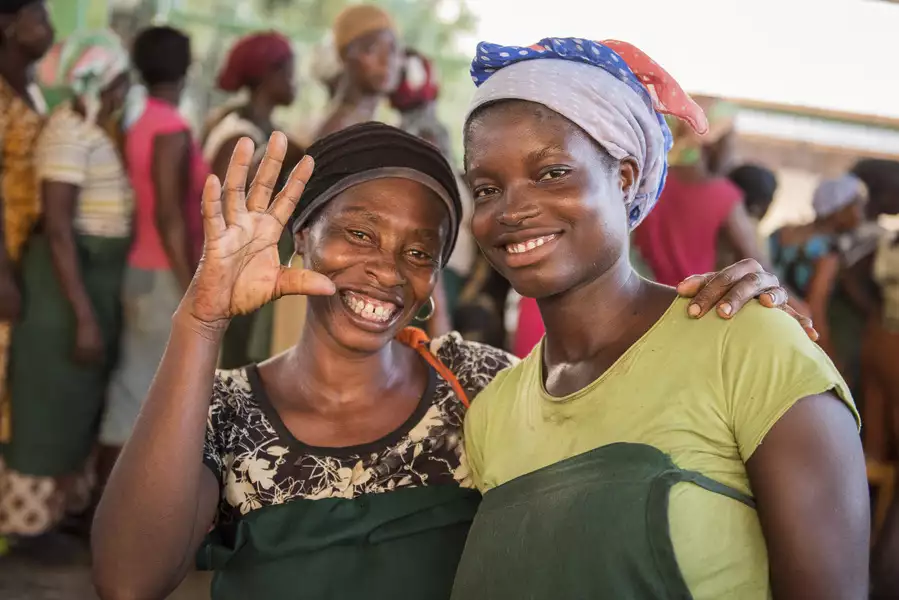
(401, 544)
(592, 526)
(57, 403)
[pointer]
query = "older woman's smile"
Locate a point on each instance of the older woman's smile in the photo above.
(370, 309)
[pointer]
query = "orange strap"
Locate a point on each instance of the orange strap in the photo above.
(418, 339)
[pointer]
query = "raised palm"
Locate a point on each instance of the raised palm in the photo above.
(241, 270)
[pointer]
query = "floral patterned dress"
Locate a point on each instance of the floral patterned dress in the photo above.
(386, 519)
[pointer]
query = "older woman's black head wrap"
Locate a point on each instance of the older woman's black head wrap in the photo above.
(11, 7)
(370, 151)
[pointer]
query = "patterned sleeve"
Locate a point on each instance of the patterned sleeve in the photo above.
(473, 363)
(62, 153)
(214, 447)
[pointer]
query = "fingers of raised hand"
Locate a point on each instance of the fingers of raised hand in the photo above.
(303, 282)
(287, 198)
(236, 179)
(263, 185)
(213, 220)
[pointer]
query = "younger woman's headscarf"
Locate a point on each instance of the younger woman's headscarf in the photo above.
(251, 57)
(86, 63)
(610, 89)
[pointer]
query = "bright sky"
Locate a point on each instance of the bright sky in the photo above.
(834, 54)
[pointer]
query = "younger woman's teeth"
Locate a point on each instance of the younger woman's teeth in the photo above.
(529, 244)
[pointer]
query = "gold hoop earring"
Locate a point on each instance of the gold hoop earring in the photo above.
(433, 306)
(290, 260)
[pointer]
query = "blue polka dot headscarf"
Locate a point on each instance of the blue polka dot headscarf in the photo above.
(610, 89)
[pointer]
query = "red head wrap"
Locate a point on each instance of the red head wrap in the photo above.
(251, 57)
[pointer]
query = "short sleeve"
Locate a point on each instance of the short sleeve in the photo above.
(62, 153)
(475, 429)
(214, 445)
(768, 364)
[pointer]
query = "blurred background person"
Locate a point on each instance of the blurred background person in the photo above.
(167, 172)
(415, 99)
(367, 42)
(758, 185)
(698, 205)
(27, 504)
(262, 65)
(808, 256)
(65, 345)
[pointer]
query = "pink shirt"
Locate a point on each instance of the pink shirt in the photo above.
(679, 237)
(530, 327)
(147, 251)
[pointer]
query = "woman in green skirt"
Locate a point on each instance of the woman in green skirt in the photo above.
(65, 344)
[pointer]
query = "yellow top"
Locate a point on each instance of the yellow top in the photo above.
(704, 392)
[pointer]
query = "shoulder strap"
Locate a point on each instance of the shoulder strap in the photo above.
(418, 339)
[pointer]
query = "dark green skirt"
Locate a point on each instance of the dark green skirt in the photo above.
(57, 404)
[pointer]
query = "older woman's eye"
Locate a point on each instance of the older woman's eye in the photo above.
(420, 255)
(554, 173)
(359, 235)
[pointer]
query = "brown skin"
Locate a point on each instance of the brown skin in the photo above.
(372, 69)
(26, 37)
(534, 175)
(381, 238)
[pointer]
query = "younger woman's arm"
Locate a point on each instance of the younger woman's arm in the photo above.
(808, 477)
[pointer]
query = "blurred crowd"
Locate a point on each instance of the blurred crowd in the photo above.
(101, 235)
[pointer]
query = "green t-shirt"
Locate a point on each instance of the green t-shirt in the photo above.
(704, 392)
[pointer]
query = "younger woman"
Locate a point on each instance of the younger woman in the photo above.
(634, 453)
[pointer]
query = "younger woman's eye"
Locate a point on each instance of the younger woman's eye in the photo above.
(554, 173)
(484, 191)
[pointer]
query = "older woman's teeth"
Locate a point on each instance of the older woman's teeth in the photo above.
(369, 308)
(528, 245)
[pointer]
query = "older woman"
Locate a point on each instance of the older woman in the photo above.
(635, 453)
(334, 469)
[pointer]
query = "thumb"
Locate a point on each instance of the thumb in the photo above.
(303, 282)
(690, 286)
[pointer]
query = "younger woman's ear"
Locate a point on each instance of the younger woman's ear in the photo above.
(629, 176)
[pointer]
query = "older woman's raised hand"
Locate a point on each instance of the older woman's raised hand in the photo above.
(240, 270)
